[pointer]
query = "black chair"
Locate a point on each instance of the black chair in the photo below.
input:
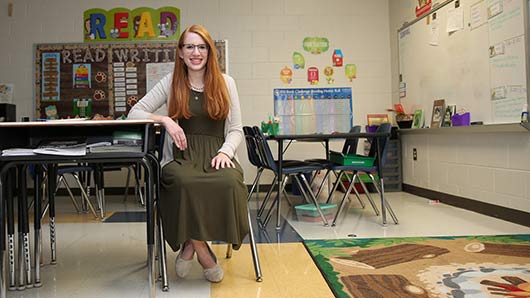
(256, 160)
(294, 169)
(349, 147)
(342, 169)
(253, 157)
(252, 241)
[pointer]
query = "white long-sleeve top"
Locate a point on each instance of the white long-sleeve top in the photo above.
(158, 98)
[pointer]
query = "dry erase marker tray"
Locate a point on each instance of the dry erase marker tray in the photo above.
(351, 159)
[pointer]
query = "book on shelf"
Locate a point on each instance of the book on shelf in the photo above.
(450, 110)
(418, 119)
(438, 110)
(115, 148)
(130, 138)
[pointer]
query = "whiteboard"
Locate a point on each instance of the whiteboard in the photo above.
(474, 56)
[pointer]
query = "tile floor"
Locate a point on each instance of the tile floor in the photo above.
(98, 259)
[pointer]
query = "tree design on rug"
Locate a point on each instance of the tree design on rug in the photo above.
(380, 285)
(388, 256)
(517, 287)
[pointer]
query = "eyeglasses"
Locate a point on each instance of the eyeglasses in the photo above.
(189, 48)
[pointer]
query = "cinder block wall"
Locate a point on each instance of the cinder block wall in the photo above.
(492, 168)
(262, 36)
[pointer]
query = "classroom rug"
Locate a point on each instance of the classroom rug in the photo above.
(443, 267)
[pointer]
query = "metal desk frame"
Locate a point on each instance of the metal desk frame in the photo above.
(25, 134)
(326, 138)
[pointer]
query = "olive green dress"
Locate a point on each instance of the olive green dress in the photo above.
(197, 201)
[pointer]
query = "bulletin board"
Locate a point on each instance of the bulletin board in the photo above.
(473, 54)
(106, 79)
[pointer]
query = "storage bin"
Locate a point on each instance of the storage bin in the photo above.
(309, 212)
(371, 128)
(351, 159)
(461, 119)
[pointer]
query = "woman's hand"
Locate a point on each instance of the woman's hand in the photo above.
(221, 161)
(176, 132)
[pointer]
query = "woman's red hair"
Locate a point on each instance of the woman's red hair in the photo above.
(215, 91)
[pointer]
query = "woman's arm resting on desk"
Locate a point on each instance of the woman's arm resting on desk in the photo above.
(154, 100)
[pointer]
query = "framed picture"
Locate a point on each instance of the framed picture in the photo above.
(438, 110)
(450, 110)
(418, 120)
(376, 119)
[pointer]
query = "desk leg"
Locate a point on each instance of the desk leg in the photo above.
(150, 226)
(37, 225)
(52, 185)
(10, 227)
(380, 173)
(3, 292)
(162, 260)
(24, 256)
(280, 182)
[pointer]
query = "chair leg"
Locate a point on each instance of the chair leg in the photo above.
(255, 184)
(276, 202)
(253, 249)
(162, 258)
(266, 199)
(321, 186)
(84, 195)
(62, 180)
(367, 193)
(387, 204)
(334, 188)
(352, 181)
(128, 179)
(286, 195)
(311, 195)
(138, 187)
(100, 191)
(341, 205)
(229, 251)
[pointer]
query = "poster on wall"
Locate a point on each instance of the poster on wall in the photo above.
(6, 92)
(140, 24)
(317, 69)
(313, 110)
(315, 45)
(50, 77)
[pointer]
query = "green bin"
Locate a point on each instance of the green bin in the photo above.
(351, 159)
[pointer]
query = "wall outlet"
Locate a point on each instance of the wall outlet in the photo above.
(414, 154)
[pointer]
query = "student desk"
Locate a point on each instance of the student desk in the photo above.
(326, 138)
(29, 135)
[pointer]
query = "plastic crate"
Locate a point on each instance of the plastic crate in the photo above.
(351, 159)
(309, 212)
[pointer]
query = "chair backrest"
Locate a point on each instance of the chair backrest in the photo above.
(252, 147)
(350, 145)
(383, 128)
(265, 150)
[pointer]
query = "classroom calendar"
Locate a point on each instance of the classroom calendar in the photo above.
(313, 110)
